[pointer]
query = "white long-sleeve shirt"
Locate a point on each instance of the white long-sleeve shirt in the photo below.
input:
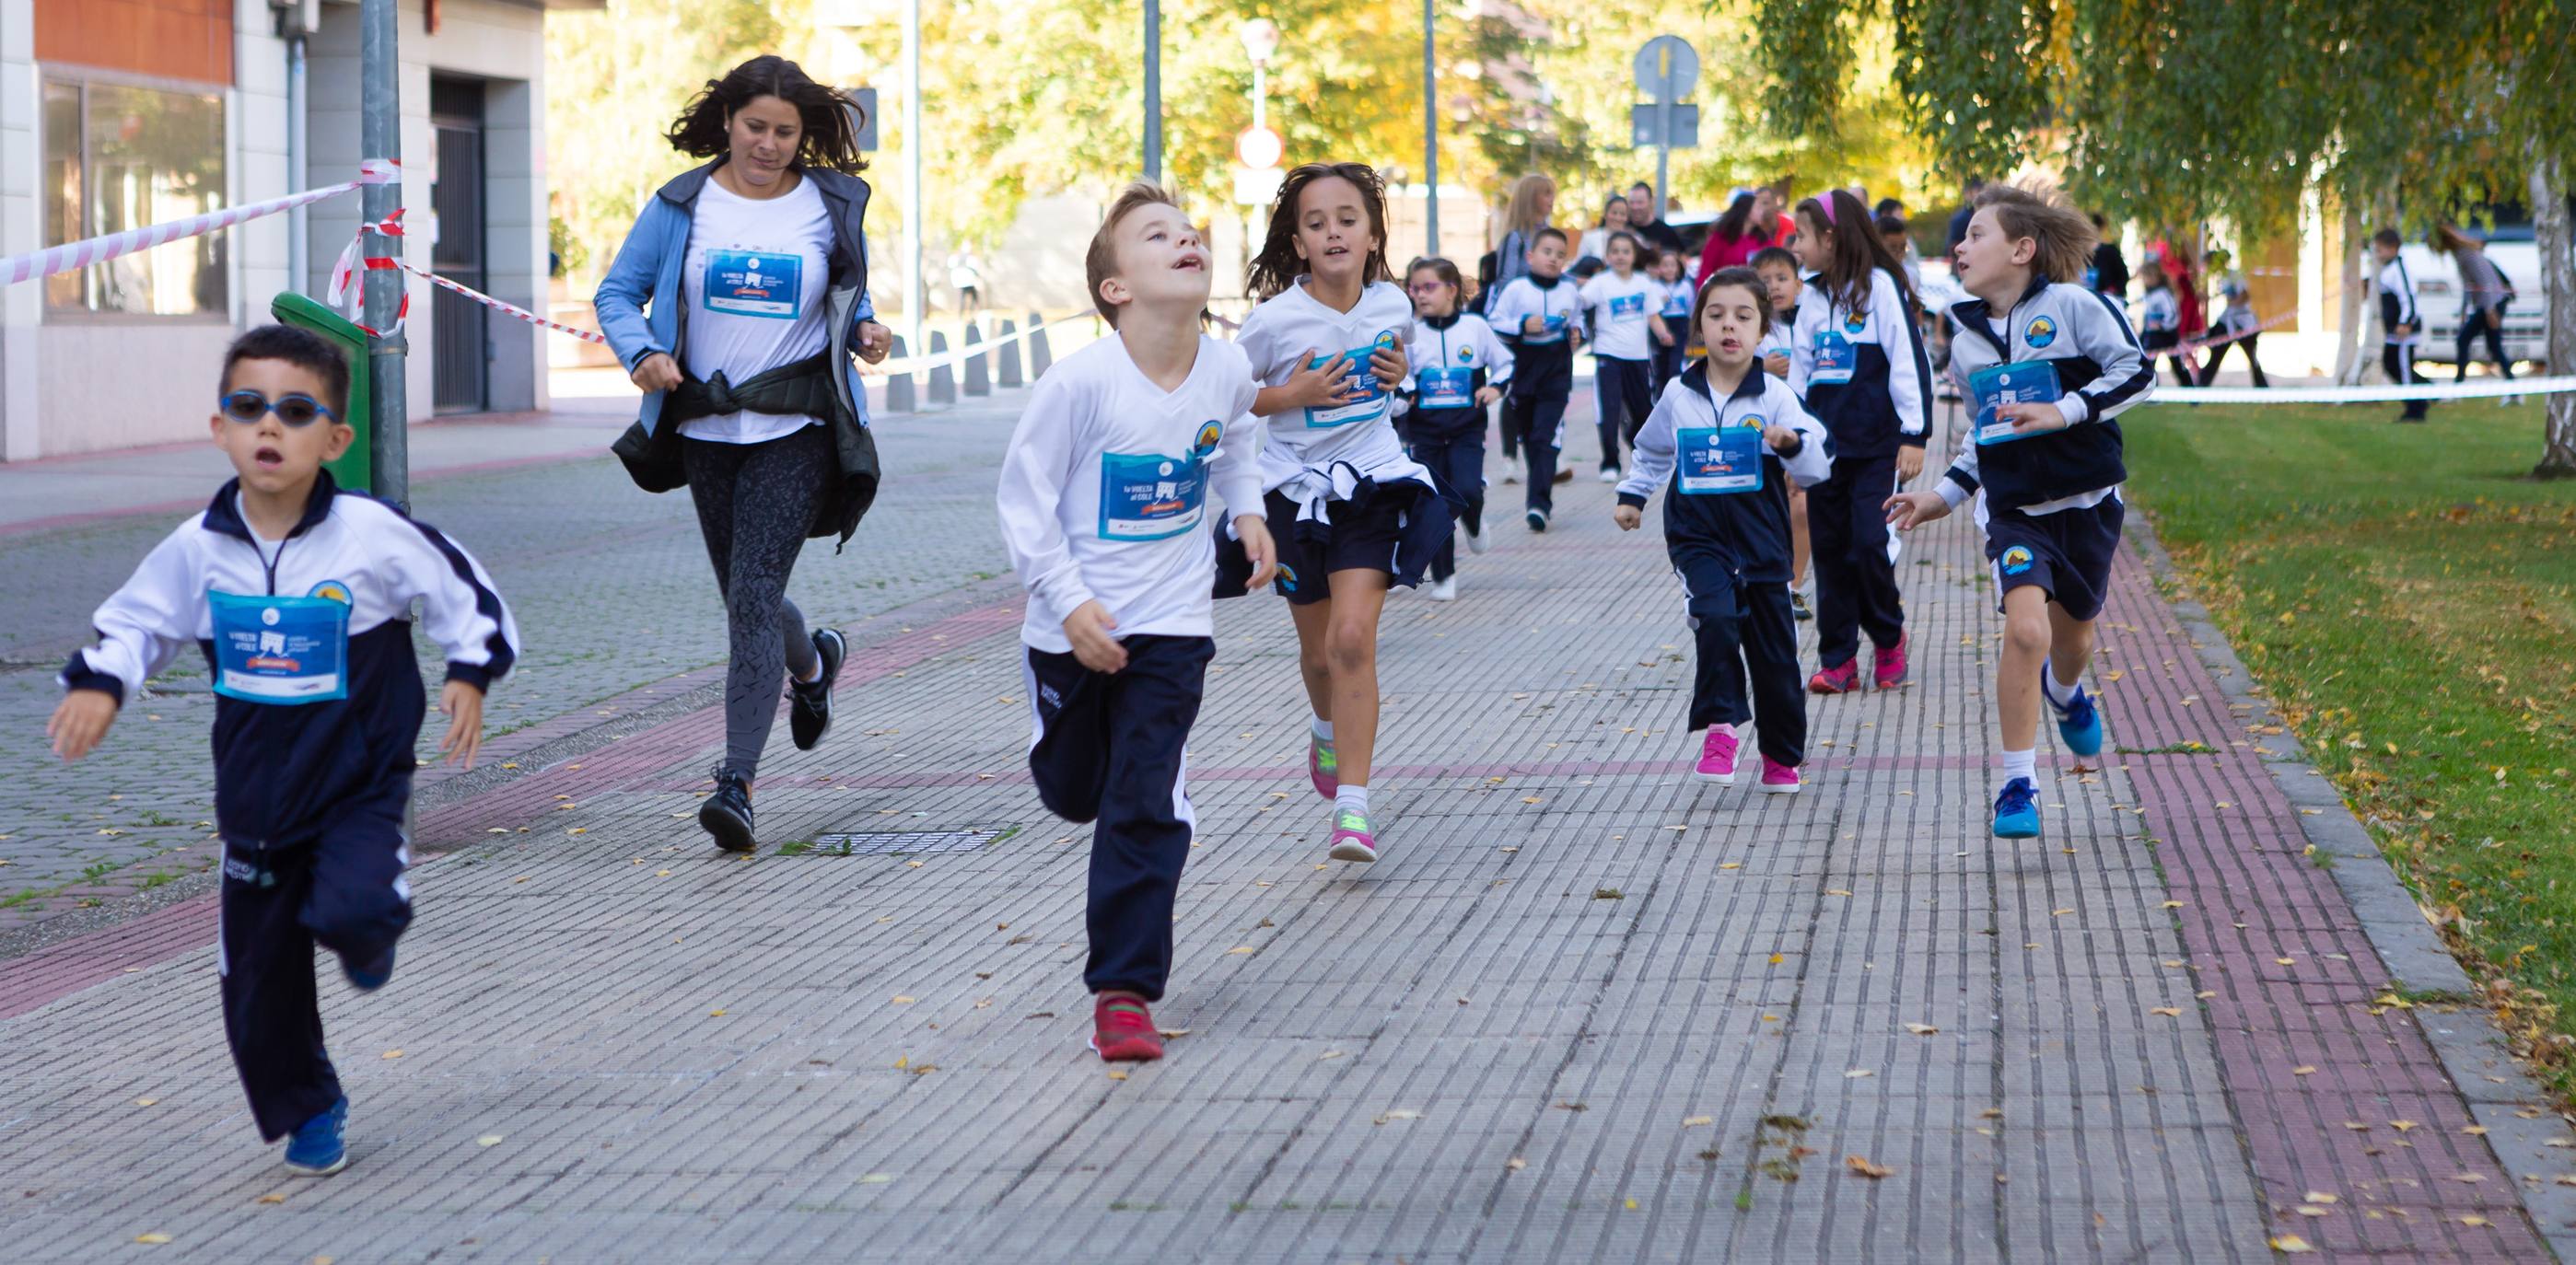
(1524, 298)
(1104, 489)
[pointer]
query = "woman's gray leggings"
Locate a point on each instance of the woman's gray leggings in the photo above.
(755, 502)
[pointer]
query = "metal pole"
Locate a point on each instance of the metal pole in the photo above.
(1663, 156)
(1430, 130)
(1153, 91)
(1260, 81)
(916, 295)
(380, 136)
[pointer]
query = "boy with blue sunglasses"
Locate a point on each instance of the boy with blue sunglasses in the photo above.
(299, 595)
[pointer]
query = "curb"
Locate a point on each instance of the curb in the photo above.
(2474, 1052)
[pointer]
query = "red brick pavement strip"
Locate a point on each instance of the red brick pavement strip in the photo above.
(1016, 773)
(62, 969)
(2292, 978)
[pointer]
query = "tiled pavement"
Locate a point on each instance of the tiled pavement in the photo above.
(1586, 1009)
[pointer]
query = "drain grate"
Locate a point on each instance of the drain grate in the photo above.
(898, 842)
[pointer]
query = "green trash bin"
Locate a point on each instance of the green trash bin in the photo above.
(356, 468)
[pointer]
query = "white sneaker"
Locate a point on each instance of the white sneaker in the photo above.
(1512, 472)
(1443, 590)
(1476, 542)
(1609, 476)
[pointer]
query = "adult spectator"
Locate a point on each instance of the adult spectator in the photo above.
(1736, 237)
(2484, 292)
(1616, 217)
(2109, 275)
(1959, 221)
(1645, 223)
(1533, 200)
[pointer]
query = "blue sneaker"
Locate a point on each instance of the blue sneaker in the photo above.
(2079, 724)
(2017, 810)
(316, 1150)
(372, 976)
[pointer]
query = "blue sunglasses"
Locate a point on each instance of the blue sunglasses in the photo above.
(248, 407)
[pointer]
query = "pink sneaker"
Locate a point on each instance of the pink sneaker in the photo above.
(1778, 778)
(1891, 664)
(1320, 766)
(1352, 840)
(1842, 678)
(1717, 756)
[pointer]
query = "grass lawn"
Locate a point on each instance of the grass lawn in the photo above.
(2408, 599)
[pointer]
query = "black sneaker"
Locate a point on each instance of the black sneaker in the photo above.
(809, 707)
(1798, 607)
(727, 813)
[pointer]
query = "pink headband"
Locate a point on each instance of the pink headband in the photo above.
(1827, 202)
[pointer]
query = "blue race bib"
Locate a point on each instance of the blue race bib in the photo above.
(1449, 386)
(1627, 307)
(1371, 403)
(2028, 382)
(280, 649)
(1718, 460)
(1553, 323)
(1835, 359)
(1150, 497)
(1677, 305)
(749, 283)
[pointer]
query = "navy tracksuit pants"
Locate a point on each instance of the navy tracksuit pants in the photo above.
(344, 891)
(1534, 409)
(1458, 462)
(1744, 627)
(1108, 747)
(1848, 546)
(1622, 389)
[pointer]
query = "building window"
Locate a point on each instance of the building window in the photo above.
(120, 156)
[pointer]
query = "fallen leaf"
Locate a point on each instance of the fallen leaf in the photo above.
(2468, 1177)
(1240, 948)
(1857, 1073)
(393, 1054)
(2473, 1219)
(1531, 799)
(145, 1102)
(2401, 1125)
(2321, 1197)
(1836, 891)
(1865, 1168)
(1117, 1075)
(2475, 1130)
(2059, 913)
(1776, 959)
(1696, 1121)
(2357, 1126)
(1516, 1163)
(1921, 1029)
(2284, 961)
(712, 1014)
(876, 1179)
(275, 1197)
(2303, 1070)
(1991, 1113)
(1400, 1113)
(1730, 865)
(2290, 1243)
(2309, 1210)
(151, 1238)
(488, 1139)
(901, 1000)
(2167, 1011)
(1329, 1055)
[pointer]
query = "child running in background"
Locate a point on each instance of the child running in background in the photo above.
(1857, 360)
(1103, 493)
(1733, 438)
(2049, 364)
(1622, 304)
(1678, 293)
(1349, 512)
(1458, 368)
(1778, 269)
(2237, 327)
(1535, 314)
(2160, 323)
(300, 596)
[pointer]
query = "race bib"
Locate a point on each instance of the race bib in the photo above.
(2028, 382)
(1716, 460)
(1554, 325)
(1835, 359)
(1677, 306)
(1150, 497)
(281, 649)
(1450, 386)
(749, 283)
(1627, 307)
(1371, 404)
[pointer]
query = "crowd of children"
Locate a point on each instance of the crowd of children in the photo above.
(1342, 432)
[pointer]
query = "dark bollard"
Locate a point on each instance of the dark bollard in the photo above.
(1009, 373)
(898, 388)
(979, 363)
(943, 377)
(1039, 359)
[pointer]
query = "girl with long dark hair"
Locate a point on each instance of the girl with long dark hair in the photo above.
(1856, 357)
(735, 304)
(1351, 514)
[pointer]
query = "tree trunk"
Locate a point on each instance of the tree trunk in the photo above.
(2558, 287)
(2349, 362)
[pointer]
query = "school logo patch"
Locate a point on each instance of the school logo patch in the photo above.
(1210, 433)
(1287, 580)
(335, 590)
(1466, 355)
(2016, 561)
(2042, 332)
(1385, 340)
(1856, 322)
(1754, 420)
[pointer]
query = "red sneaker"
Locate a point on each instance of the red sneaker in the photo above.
(1891, 664)
(1122, 1030)
(1842, 678)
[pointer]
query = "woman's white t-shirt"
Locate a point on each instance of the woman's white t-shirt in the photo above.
(754, 280)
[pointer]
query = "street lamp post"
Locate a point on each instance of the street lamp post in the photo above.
(1430, 132)
(1154, 91)
(1260, 40)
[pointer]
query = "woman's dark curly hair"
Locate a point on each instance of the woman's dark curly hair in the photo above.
(831, 135)
(1277, 266)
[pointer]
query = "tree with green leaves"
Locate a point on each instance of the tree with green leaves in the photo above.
(2170, 111)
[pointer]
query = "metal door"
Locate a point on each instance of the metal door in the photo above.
(461, 353)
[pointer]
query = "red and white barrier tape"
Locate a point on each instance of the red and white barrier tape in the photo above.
(81, 254)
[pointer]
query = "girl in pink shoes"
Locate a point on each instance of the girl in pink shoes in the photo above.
(1732, 439)
(1351, 514)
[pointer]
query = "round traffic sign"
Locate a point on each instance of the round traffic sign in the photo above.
(1259, 148)
(1667, 68)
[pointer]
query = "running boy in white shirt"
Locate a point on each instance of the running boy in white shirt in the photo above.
(1535, 314)
(1626, 310)
(1103, 503)
(2049, 363)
